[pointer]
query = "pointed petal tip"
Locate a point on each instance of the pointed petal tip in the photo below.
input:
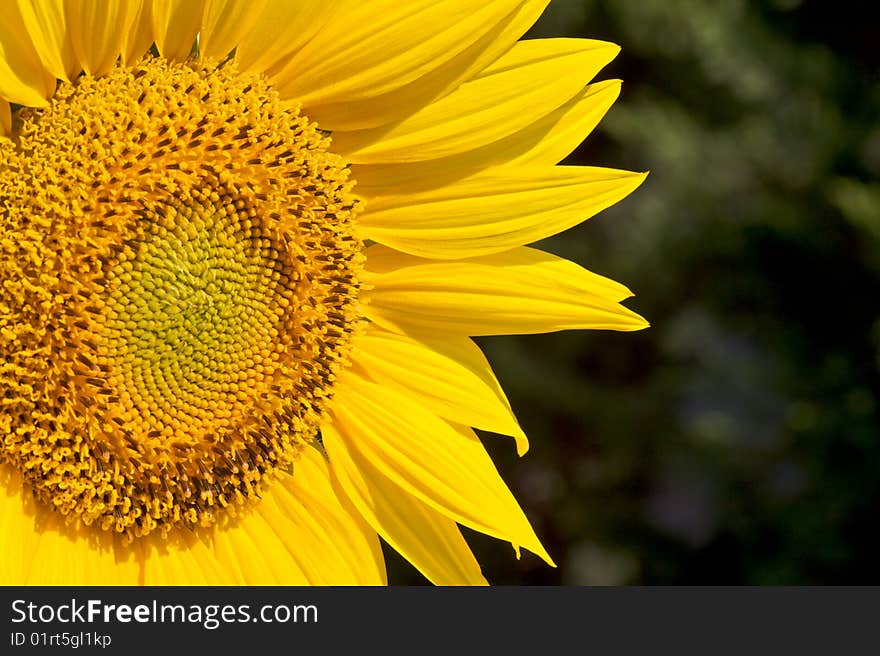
(639, 323)
(537, 548)
(631, 321)
(639, 176)
(521, 439)
(612, 49)
(642, 176)
(601, 43)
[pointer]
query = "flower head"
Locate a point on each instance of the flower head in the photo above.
(244, 246)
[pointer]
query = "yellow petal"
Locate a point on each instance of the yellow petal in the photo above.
(299, 533)
(430, 541)
(40, 549)
(23, 78)
(376, 110)
(379, 46)
(530, 81)
(546, 141)
(563, 130)
(446, 468)
(495, 210)
(46, 24)
(175, 24)
(139, 36)
(98, 30)
(448, 375)
(332, 541)
(5, 119)
(281, 29)
(516, 292)
(225, 23)
(183, 558)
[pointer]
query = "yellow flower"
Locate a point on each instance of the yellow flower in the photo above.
(244, 246)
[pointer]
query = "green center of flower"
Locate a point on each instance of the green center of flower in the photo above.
(197, 315)
(184, 281)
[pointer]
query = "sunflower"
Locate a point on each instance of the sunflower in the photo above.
(244, 247)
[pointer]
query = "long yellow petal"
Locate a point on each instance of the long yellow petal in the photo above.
(225, 23)
(556, 136)
(495, 210)
(373, 111)
(281, 29)
(430, 541)
(46, 24)
(546, 141)
(299, 533)
(5, 119)
(450, 376)
(379, 46)
(139, 36)
(333, 543)
(40, 549)
(516, 292)
(98, 30)
(175, 24)
(446, 468)
(530, 81)
(23, 77)
(184, 558)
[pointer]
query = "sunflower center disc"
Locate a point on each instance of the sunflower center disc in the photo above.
(180, 281)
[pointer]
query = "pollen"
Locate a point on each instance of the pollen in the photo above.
(179, 277)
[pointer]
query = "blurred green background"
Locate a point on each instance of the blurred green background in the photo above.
(736, 441)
